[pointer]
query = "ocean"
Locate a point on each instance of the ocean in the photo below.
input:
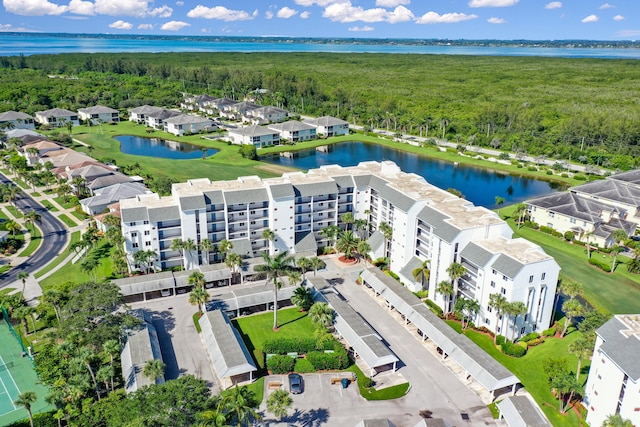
(12, 44)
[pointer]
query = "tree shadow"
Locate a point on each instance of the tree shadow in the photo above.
(311, 418)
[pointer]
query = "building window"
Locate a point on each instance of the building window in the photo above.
(134, 234)
(489, 309)
(505, 278)
(487, 321)
(503, 291)
(147, 243)
(493, 284)
(543, 276)
(145, 222)
(531, 279)
(494, 271)
(522, 331)
(572, 220)
(135, 245)
(132, 224)
(146, 232)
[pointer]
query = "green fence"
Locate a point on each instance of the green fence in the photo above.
(7, 319)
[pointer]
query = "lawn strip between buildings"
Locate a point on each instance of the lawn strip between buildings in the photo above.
(75, 237)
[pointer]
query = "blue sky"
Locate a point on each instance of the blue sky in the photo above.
(452, 19)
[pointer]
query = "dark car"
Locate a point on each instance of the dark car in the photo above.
(295, 383)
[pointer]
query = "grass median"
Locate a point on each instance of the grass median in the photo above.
(75, 237)
(34, 243)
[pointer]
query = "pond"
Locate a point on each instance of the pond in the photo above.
(154, 147)
(480, 186)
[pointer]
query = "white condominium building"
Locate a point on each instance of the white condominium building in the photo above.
(428, 223)
(613, 386)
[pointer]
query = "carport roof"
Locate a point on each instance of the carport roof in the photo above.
(475, 361)
(239, 297)
(141, 346)
(136, 285)
(227, 351)
(383, 422)
(521, 411)
(358, 334)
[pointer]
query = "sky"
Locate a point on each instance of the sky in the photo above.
(440, 19)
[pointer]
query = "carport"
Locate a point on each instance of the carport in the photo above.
(365, 342)
(522, 411)
(244, 297)
(227, 352)
(216, 274)
(474, 360)
(141, 288)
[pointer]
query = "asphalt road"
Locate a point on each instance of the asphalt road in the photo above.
(54, 238)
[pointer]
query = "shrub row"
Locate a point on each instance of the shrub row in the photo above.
(549, 230)
(515, 350)
(289, 345)
(434, 307)
(337, 360)
(278, 364)
(600, 264)
(549, 332)
(529, 337)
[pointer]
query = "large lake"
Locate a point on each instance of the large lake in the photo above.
(154, 147)
(478, 185)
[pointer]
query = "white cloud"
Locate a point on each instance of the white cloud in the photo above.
(9, 27)
(446, 18)
(391, 3)
(161, 12)
(494, 20)
(121, 25)
(305, 14)
(179, 3)
(359, 29)
(321, 3)
(33, 7)
(606, 6)
(174, 25)
(268, 14)
(219, 12)
(553, 5)
(590, 18)
(286, 13)
(346, 12)
(618, 18)
(492, 3)
(145, 27)
(80, 7)
(121, 7)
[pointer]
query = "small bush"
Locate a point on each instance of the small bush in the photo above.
(564, 175)
(519, 166)
(580, 177)
(366, 382)
(535, 342)
(434, 307)
(532, 169)
(600, 264)
(278, 364)
(523, 344)
(337, 360)
(514, 350)
(392, 274)
(569, 235)
(546, 230)
(500, 339)
(549, 172)
(530, 336)
(549, 332)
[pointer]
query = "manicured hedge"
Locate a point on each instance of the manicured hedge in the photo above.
(337, 360)
(600, 264)
(530, 337)
(549, 332)
(509, 348)
(278, 364)
(289, 345)
(434, 307)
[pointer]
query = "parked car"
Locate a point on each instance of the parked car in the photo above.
(295, 384)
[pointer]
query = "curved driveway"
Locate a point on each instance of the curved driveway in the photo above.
(54, 238)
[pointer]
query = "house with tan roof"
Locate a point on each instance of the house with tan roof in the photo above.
(99, 114)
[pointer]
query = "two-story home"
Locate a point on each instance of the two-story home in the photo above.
(267, 114)
(329, 126)
(57, 117)
(188, 124)
(139, 114)
(294, 131)
(16, 120)
(99, 114)
(255, 135)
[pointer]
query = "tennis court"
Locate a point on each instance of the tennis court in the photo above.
(17, 375)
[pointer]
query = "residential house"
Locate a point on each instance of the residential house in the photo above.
(139, 114)
(188, 124)
(267, 114)
(64, 157)
(255, 135)
(57, 117)
(294, 131)
(99, 114)
(106, 196)
(156, 119)
(196, 102)
(16, 120)
(35, 150)
(428, 223)
(237, 110)
(329, 126)
(613, 385)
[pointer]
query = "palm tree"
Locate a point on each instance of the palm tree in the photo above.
(196, 279)
(199, 296)
(321, 315)
(455, 272)
(32, 217)
(316, 264)
(363, 249)
(515, 309)
(104, 375)
(89, 266)
(347, 243)
(279, 403)
(12, 227)
(581, 348)
(616, 420)
(360, 226)
(387, 232)
(237, 405)
(206, 246)
(302, 298)
(521, 210)
(234, 261)
(303, 264)
(79, 183)
(571, 288)
(224, 247)
(54, 298)
(618, 236)
(497, 302)
(188, 246)
(111, 347)
(22, 313)
(85, 356)
(347, 219)
(330, 233)
(587, 235)
(23, 276)
(445, 289)
(571, 309)
(154, 369)
(275, 267)
(422, 273)
(269, 236)
(213, 418)
(25, 399)
(499, 202)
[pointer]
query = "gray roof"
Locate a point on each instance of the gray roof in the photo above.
(412, 264)
(381, 422)
(480, 365)
(356, 332)
(508, 266)
(21, 133)
(438, 221)
(215, 272)
(376, 241)
(136, 285)
(268, 109)
(142, 345)
(631, 177)
(109, 180)
(477, 255)
(290, 126)
(98, 109)
(14, 115)
(163, 213)
(134, 214)
(623, 350)
(249, 295)
(215, 197)
(56, 112)
(281, 191)
(227, 351)
(246, 196)
(396, 197)
(254, 130)
(316, 188)
(244, 106)
(326, 121)
(521, 411)
(163, 114)
(242, 247)
(362, 180)
(187, 119)
(614, 189)
(222, 102)
(306, 242)
(344, 181)
(190, 203)
(145, 109)
(114, 193)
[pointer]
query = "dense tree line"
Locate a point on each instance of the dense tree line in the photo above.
(583, 109)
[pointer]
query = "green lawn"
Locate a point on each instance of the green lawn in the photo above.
(21, 183)
(5, 268)
(3, 215)
(226, 164)
(73, 273)
(80, 215)
(68, 221)
(529, 369)
(257, 329)
(393, 392)
(617, 292)
(47, 204)
(66, 204)
(75, 237)
(34, 243)
(14, 211)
